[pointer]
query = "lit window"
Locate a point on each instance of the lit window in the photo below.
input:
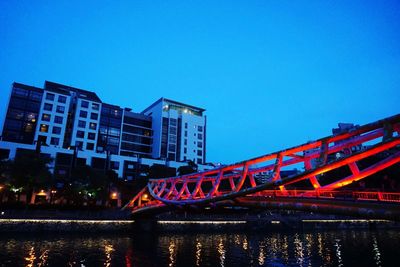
(93, 126)
(28, 127)
(45, 117)
(44, 128)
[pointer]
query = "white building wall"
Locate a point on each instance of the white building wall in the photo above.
(91, 126)
(192, 138)
(52, 124)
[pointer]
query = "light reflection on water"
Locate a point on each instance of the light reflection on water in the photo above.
(330, 248)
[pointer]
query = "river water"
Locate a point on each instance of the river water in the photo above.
(319, 248)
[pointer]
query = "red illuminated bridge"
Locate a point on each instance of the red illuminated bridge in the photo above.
(332, 168)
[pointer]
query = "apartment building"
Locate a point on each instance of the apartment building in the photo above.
(75, 127)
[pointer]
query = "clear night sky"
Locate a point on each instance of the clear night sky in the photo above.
(271, 74)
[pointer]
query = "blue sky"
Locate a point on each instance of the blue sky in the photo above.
(271, 74)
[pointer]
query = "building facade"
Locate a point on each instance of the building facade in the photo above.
(179, 131)
(74, 127)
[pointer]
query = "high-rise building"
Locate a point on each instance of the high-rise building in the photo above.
(179, 131)
(75, 127)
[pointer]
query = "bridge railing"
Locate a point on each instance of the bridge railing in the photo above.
(348, 195)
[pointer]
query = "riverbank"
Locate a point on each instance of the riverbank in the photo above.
(115, 221)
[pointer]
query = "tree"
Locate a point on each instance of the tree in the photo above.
(29, 171)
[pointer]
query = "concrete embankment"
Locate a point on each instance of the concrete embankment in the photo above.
(117, 222)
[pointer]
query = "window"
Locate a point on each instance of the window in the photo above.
(199, 161)
(200, 128)
(91, 136)
(12, 124)
(113, 141)
(54, 141)
(90, 146)
(58, 119)
(44, 128)
(93, 126)
(185, 142)
(45, 117)
(95, 106)
(80, 134)
(84, 104)
(62, 99)
(199, 144)
(103, 129)
(185, 133)
(172, 138)
(185, 150)
(60, 109)
(48, 106)
(83, 114)
(200, 136)
(50, 96)
(15, 114)
(199, 153)
(94, 116)
(28, 127)
(186, 125)
(31, 117)
(34, 106)
(172, 122)
(114, 131)
(56, 130)
(42, 139)
(20, 92)
(82, 124)
(35, 96)
(79, 144)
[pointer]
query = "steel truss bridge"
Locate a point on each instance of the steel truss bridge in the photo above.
(332, 165)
